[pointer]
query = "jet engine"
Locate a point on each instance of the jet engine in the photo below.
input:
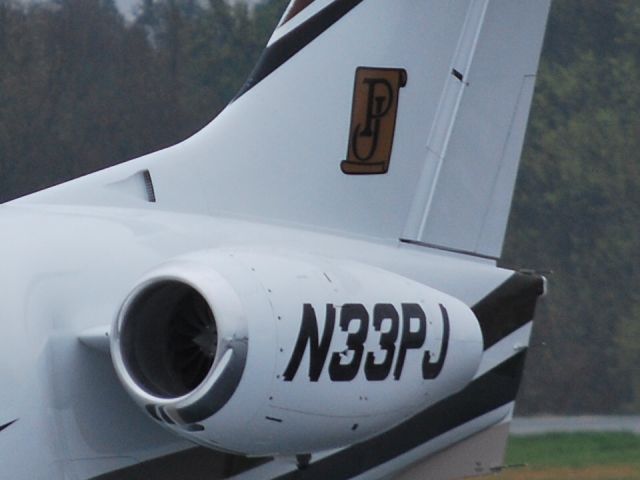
(277, 353)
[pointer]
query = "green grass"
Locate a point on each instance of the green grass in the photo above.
(577, 450)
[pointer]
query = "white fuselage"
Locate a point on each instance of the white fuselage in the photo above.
(77, 276)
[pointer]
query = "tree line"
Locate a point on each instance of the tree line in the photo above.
(576, 211)
(81, 88)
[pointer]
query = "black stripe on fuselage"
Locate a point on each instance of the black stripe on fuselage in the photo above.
(492, 390)
(193, 464)
(508, 307)
(286, 47)
(7, 425)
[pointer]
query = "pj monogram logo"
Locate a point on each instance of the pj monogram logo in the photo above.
(373, 119)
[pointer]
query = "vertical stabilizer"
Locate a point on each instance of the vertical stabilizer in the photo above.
(385, 119)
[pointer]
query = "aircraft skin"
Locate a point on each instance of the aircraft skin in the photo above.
(307, 288)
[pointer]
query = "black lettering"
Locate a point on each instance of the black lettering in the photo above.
(410, 339)
(309, 335)
(377, 107)
(339, 372)
(380, 371)
(432, 370)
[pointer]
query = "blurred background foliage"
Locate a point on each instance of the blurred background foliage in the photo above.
(81, 88)
(576, 211)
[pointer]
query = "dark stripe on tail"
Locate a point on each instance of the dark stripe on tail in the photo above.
(290, 44)
(295, 9)
(508, 307)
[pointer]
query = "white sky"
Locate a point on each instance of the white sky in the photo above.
(127, 7)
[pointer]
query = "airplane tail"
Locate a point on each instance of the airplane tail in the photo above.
(398, 121)
(393, 120)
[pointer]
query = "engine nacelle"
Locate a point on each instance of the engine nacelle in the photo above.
(279, 354)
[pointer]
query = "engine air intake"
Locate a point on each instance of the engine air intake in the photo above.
(169, 338)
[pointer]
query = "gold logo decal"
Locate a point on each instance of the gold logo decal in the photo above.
(373, 119)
